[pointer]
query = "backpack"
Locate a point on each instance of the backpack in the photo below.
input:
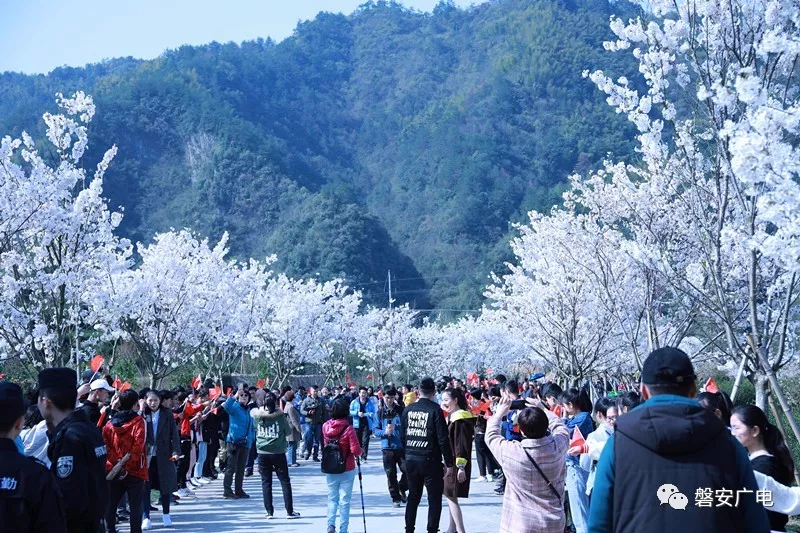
(333, 462)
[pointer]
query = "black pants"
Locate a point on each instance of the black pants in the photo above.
(251, 456)
(485, 458)
(275, 462)
(154, 483)
(211, 457)
(392, 460)
(363, 433)
(183, 464)
(428, 474)
(237, 458)
(134, 488)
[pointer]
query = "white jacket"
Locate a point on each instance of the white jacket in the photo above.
(36, 442)
(785, 500)
(595, 442)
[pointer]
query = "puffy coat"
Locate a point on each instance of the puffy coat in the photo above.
(125, 433)
(341, 431)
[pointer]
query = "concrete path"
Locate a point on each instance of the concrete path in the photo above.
(209, 512)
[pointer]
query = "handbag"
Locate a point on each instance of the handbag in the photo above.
(543, 476)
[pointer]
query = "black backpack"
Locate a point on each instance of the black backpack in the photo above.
(333, 462)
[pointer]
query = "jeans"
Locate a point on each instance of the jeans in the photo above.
(134, 488)
(392, 459)
(340, 491)
(183, 464)
(305, 431)
(363, 434)
(429, 474)
(151, 483)
(237, 458)
(267, 463)
(578, 500)
(313, 437)
(291, 452)
(202, 453)
(485, 458)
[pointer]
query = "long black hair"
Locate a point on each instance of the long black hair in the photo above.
(715, 401)
(578, 398)
(753, 416)
(458, 395)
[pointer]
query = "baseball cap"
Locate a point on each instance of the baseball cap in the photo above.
(667, 366)
(101, 384)
(427, 385)
(12, 405)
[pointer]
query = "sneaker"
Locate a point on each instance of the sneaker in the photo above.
(403, 497)
(189, 493)
(480, 479)
(316, 459)
(202, 481)
(292, 515)
(167, 521)
(206, 480)
(396, 504)
(229, 495)
(248, 472)
(294, 465)
(490, 479)
(331, 529)
(499, 491)
(146, 523)
(153, 507)
(269, 516)
(242, 495)
(194, 484)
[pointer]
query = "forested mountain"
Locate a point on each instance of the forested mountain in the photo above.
(386, 139)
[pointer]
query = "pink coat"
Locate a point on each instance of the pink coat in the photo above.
(529, 506)
(348, 442)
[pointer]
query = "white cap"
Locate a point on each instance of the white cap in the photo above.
(101, 384)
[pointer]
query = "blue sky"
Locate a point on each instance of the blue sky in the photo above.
(39, 35)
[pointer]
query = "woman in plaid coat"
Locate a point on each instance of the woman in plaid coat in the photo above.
(534, 469)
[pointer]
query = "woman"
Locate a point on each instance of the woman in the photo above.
(768, 451)
(239, 440)
(340, 486)
(486, 463)
(295, 437)
(163, 450)
(578, 407)
(272, 428)
(34, 435)
(461, 430)
(716, 404)
(534, 467)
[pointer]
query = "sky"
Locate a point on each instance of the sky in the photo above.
(37, 36)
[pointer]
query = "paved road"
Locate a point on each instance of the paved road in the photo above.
(209, 512)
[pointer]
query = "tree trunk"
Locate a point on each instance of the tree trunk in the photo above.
(762, 390)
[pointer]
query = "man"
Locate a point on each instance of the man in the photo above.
(364, 417)
(92, 406)
(426, 443)
(313, 408)
(509, 426)
(325, 394)
(670, 448)
(409, 396)
(388, 430)
(29, 499)
(77, 451)
(241, 434)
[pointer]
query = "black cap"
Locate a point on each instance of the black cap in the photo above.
(87, 376)
(667, 366)
(57, 378)
(12, 405)
(427, 385)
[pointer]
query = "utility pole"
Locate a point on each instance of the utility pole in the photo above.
(391, 323)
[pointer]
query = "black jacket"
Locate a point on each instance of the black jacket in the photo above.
(78, 456)
(29, 499)
(92, 411)
(424, 433)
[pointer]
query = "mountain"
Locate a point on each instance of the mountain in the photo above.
(388, 139)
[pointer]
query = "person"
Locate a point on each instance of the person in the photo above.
(252, 453)
(241, 435)
(605, 411)
(294, 436)
(768, 451)
(578, 407)
(124, 436)
(510, 429)
(185, 411)
(785, 500)
(426, 444)
(210, 435)
(163, 450)
(313, 408)
(340, 486)
(99, 391)
(362, 410)
(29, 499)
(388, 430)
(487, 465)
(671, 442)
(550, 393)
(34, 435)
(77, 452)
(272, 428)
(461, 431)
(534, 466)
(627, 402)
(716, 403)
(409, 396)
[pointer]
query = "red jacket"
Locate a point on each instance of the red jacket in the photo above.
(125, 433)
(348, 442)
(189, 410)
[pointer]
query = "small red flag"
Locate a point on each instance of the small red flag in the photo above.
(577, 438)
(96, 363)
(369, 376)
(196, 382)
(711, 385)
(117, 383)
(125, 386)
(227, 391)
(489, 371)
(260, 384)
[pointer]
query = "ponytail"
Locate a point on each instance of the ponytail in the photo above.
(752, 416)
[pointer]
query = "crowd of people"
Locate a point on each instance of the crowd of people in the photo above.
(629, 462)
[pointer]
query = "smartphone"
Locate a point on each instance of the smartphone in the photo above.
(517, 405)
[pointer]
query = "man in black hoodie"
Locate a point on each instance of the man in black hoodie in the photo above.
(664, 453)
(426, 443)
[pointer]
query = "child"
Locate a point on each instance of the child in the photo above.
(579, 407)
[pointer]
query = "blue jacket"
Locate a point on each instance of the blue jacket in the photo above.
(390, 416)
(582, 421)
(672, 440)
(240, 425)
(369, 411)
(508, 426)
